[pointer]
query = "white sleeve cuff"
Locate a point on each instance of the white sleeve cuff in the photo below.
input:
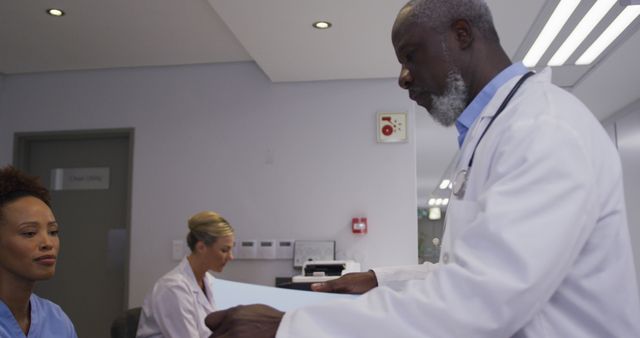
(391, 275)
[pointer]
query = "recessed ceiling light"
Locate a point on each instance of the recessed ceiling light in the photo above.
(322, 24)
(444, 184)
(55, 12)
(435, 214)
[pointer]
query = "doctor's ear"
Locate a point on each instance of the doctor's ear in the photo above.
(463, 33)
(200, 246)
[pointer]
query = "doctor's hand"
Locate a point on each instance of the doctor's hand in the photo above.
(355, 282)
(256, 321)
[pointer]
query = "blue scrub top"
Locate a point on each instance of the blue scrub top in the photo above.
(47, 320)
(477, 105)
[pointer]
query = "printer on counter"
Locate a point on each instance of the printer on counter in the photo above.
(320, 271)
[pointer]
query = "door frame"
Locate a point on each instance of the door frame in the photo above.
(22, 140)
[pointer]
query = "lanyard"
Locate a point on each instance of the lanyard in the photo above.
(460, 179)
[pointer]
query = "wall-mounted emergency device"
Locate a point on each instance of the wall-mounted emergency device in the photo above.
(359, 225)
(392, 127)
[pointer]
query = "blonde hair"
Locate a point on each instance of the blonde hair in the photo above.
(207, 227)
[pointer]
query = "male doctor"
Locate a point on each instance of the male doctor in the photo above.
(536, 241)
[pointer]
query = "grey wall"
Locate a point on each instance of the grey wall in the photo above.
(291, 161)
(625, 125)
(1, 106)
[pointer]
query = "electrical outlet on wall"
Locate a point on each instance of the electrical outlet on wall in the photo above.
(266, 249)
(177, 249)
(246, 249)
(284, 249)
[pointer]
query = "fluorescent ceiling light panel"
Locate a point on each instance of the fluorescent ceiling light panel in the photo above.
(586, 25)
(618, 25)
(557, 20)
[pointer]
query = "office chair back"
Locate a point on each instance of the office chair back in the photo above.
(126, 325)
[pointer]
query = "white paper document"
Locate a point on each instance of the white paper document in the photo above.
(229, 294)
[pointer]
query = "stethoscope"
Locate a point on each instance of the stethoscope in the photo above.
(459, 183)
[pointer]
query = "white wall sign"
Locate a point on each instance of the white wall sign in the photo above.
(392, 127)
(80, 178)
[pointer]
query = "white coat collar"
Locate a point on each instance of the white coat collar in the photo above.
(544, 76)
(186, 270)
(490, 110)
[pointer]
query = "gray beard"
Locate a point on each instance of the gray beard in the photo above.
(447, 107)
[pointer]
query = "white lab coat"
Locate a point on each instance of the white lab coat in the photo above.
(538, 246)
(177, 307)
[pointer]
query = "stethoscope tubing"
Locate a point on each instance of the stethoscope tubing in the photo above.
(460, 179)
(503, 105)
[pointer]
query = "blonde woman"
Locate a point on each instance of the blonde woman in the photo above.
(181, 299)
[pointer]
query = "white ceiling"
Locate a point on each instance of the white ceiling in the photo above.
(276, 34)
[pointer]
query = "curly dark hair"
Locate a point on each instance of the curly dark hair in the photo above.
(15, 184)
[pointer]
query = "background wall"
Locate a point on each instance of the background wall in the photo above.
(625, 126)
(279, 161)
(1, 88)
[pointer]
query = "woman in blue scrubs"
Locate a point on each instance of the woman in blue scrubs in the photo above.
(29, 247)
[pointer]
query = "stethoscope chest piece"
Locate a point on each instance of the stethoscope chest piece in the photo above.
(459, 183)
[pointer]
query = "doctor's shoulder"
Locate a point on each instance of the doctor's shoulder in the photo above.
(173, 283)
(543, 106)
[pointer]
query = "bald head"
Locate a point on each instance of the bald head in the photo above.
(440, 14)
(449, 50)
